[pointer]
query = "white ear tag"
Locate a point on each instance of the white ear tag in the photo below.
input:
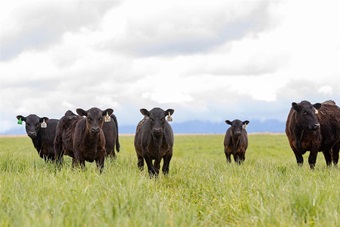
(316, 111)
(169, 118)
(107, 118)
(43, 124)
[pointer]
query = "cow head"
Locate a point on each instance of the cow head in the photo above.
(306, 116)
(237, 126)
(94, 118)
(33, 124)
(157, 120)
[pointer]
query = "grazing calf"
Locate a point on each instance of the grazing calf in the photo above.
(303, 131)
(110, 129)
(42, 137)
(82, 138)
(154, 140)
(236, 140)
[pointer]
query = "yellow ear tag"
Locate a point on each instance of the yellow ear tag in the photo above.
(43, 124)
(107, 118)
(169, 118)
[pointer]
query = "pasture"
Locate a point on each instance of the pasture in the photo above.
(200, 190)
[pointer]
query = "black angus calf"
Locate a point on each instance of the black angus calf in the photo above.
(236, 140)
(154, 140)
(110, 129)
(82, 138)
(42, 137)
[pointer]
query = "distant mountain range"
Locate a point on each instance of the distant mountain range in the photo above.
(195, 127)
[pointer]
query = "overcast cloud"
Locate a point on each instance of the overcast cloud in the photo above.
(208, 60)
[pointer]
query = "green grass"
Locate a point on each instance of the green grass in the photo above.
(200, 190)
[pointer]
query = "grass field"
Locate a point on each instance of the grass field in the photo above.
(200, 190)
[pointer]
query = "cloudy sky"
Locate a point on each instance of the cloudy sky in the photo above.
(209, 60)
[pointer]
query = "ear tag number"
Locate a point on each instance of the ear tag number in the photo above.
(43, 124)
(20, 121)
(107, 118)
(169, 118)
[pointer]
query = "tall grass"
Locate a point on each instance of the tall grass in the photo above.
(200, 190)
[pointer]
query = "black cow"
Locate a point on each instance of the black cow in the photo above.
(42, 137)
(82, 138)
(314, 128)
(154, 140)
(236, 140)
(329, 119)
(110, 129)
(303, 131)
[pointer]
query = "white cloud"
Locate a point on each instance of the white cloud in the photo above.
(204, 59)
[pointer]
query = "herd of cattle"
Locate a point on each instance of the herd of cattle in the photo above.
(92, 135)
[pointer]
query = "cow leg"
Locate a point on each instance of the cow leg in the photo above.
(58, 150)
(238, 158)
(227, 155)
(242, 157)
(335, 154)
(299, 157)
(140, 162)
(328, 157)
(151, 168)
(78, 160)
(312, 159)
(166, 163)
(100, 163)
(157, 165)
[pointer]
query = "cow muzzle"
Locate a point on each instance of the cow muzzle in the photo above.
(32, 134)
(95, 130)
(157, 132)
(315, 127)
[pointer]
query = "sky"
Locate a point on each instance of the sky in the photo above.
(209, 60)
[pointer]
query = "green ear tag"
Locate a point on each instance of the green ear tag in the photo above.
(20, 121)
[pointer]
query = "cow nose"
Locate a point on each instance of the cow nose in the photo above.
(157, 130)
(32, 134)
(237, 133)
(95, 130)
(316, 126)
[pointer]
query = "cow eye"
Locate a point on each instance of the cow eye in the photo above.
(305, 112)
(162, 119)
(99, 119)
(89, 119)
(27, 124)
(151, 119)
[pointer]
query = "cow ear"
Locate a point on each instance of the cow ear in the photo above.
(228, 122)
(81, 112)
(42, 119)
(317, 105)
(168, 111)
(245, 122)
(295, 106)
(145, 112)
(20, 117)
(108, 111)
